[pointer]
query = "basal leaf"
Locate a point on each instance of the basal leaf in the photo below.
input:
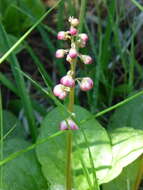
(127, 179)
(22, 173)
(127, 146)
(52, 155)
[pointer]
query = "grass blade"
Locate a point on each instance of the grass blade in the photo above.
(137, 4)
(26, 34)
(8, 83)
(40, 66)
(1, 142)
(20, 86)
(18, 153)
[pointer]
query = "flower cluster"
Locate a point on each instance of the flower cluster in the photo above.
(77, 41)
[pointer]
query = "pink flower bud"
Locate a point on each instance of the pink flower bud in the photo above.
(67, 81)
(63, 126)
(86, 59)
(73, 53)
(73, 31)
(74, 22)
(60, 53)
(58, 89)
(61, 35)
(72, 125)
(84, 37)
(86, 84)
(62, 95)
(68, 124)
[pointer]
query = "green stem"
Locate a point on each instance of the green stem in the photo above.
(69, 161)
(69, 138)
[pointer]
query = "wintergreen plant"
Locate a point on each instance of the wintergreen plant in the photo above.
(95, 156)
(68, 82)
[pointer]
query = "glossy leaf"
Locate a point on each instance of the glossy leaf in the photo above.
(52, 155)
(127, 146)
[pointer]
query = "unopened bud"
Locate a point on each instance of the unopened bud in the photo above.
(86, 84)
(74, 21)
(59, 91)
(63, 126)
(61, 35)
(73, 31)
(60, 53)
(62, 95)
(67, 81)
(84, 37)
(73, 53)
(68, 124)
(86, 59)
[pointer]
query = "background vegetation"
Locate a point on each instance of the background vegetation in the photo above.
(29, 71)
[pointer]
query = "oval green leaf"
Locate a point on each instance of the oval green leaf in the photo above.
(52, 155)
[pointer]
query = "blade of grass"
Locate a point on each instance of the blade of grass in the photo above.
(22, 91)
(96, 185)
(28, 14)
(81, 17)
(60, 16)
(60, 26)
(47, 41)
(98, 69)
(4, 57)
(56, 62)
(82, 14)
(5, 81)
(71, 9)
(85, 170)
(131, 67)
(114, 20)
(1, 142)
(40, 66)
(18, 153)
(137, 4)
(114, 106)
(43, 90)
(9, 132)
